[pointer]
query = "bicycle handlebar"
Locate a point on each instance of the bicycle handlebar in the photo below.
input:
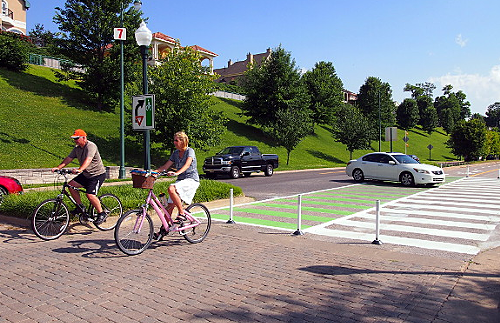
(63, 171)
(150, 173)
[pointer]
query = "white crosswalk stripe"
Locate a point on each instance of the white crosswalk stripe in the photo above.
(456, 217)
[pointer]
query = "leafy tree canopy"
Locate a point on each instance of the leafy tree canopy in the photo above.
(353, 129)
(273, 86)
(374, 99)
(182, 86)
(407, 114)
(325, 91)
(86, 38)
(468, 139)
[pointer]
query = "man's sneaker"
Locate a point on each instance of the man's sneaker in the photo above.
(101, 217)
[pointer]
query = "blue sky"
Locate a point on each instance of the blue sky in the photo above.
(453, 42)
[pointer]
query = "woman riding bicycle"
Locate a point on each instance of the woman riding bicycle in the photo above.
(183, 159)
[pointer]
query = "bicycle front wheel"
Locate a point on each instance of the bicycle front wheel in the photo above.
(199, 232)
(50, 219)
(112, 205)
(134, 232)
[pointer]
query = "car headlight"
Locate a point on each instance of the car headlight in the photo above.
(226, 162)
(421, 171)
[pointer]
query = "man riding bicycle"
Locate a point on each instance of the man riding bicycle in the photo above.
(92, 173)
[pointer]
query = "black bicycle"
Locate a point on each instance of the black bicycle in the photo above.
(51, 217)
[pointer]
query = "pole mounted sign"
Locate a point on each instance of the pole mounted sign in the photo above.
(143, 112)
(120, 33)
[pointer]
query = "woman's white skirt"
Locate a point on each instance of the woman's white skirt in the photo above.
(186, 188)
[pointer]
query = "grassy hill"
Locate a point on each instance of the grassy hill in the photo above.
(39, 114)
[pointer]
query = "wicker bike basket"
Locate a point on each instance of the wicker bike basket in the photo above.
(140, 180)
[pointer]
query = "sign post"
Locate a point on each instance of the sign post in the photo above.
(406, 139)
(430, 149)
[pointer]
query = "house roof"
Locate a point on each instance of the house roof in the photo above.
(168, 39)
(238, 68)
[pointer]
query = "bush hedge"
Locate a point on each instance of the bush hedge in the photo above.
(14, 51)
(22, 206)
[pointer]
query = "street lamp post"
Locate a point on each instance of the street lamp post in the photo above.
(122, 173)
(143, 38)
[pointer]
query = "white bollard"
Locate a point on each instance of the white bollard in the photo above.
(467, 175)
(230, 207)
(377, 225)
(299, 232)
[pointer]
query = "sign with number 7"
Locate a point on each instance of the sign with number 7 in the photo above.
(120, 33)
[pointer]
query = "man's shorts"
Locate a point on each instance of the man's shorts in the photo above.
(91, 184)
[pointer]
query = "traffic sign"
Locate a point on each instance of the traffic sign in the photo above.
(143, 111)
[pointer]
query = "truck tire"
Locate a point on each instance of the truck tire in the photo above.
(235, 172)
(269, 171)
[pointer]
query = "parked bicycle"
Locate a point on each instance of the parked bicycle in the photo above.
(51, 217)
(134, 231)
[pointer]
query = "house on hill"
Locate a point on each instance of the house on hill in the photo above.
(236, 70)
(13, 16)
(161, 44)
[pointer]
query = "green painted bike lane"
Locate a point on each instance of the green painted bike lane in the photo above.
(317, 207)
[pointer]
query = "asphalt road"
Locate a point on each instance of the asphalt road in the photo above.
(286, 183)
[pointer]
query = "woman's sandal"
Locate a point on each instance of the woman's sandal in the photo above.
(179, 219)
(160, 234)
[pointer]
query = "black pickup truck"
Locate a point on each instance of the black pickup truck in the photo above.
(236, 160)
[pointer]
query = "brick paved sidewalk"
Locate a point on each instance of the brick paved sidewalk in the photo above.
(239, 274)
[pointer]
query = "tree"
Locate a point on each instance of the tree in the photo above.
(468, 139)
(352, 129)
(290, 129)
(451, 108)
(273, 86)
(374, 98)
(493, 115)
(420, 89)
(429, 119)
(182, 86)
(86, 35)
(492, 145)
(42, 37)
(325, 91)
(407, 114)
(423, 95)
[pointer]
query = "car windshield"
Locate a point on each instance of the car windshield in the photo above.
(405, 159)
(231, 151)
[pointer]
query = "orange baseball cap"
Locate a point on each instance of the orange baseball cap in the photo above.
(78, 133)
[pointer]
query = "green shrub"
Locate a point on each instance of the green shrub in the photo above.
(14, 52)
(22, 206)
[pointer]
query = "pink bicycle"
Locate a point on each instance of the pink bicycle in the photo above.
(134, 231)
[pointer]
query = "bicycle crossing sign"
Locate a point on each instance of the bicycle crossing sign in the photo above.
(143, 112)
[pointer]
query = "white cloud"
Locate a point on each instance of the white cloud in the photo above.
(481, 90)
(460, 41)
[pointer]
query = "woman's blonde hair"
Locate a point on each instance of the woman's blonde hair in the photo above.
(181, 135)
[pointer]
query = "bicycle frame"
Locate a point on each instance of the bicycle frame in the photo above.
(64, 191)
(163, 214)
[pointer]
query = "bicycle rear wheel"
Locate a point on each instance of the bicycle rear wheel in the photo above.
(198, 233)
(131, 237)
(112, 205)
(50, 219)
